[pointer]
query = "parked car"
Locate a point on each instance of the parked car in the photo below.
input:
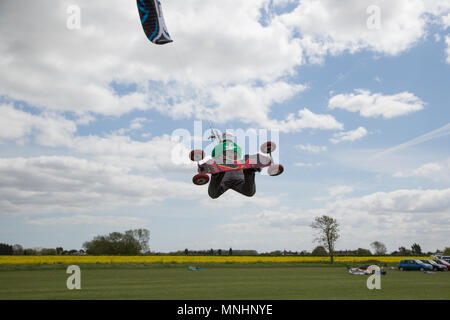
(443, 262)
(436, 266)
(441, 257)
(446, 259)
(413, 264)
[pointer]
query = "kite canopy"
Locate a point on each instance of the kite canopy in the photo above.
(152, 20)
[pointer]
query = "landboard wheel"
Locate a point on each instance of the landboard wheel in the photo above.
(200, 179)
(197, 155)
(268, 147)
(275, 170)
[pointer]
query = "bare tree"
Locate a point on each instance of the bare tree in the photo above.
(416, 249)
(17, 249)
(327, 233)
(379, 248)
(143, 237)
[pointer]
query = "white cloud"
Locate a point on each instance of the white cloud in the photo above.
(84, 220)
(330, 29)
(376, 105)
(433, 170)
(336, 192)
(447, 41)
(308, 164)
(352, 135)
(225, 49)
(159, 153)
(248, 103)
(135, 125)
(311, 148)
(223, 44)
(48, 129)
(53, 130)
(339, 191)
(67, 185)
(306, 120)
(399, 201)
(446, 21)
(437, 7)
(396, 218)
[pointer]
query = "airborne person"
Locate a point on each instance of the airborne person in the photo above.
(227, 168)
(242, 181)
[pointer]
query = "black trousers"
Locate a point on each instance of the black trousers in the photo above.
(242, 181)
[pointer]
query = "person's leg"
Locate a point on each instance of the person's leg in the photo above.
(249, 187)
(215, 188)
(246, 186)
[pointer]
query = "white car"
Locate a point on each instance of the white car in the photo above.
(441, 257)
(435, 265)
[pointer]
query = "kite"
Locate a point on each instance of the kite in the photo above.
(152, 20)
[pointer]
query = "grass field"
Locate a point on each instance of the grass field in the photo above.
(216, 281)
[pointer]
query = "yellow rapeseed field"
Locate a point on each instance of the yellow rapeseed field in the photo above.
(12, 260)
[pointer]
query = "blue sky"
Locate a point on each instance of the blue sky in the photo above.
(88, 117)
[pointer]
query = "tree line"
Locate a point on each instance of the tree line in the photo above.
(131, 242)
(136, 242)
(17, 249)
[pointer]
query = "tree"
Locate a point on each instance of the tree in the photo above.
(363, 252)
(29, 252)
(379, 248)
(230, 252)
(447, 251)
(132, 242)
(402, 251)
(416, 249)
(18, 250)
(48, 252)
(143, 237)
(186, 252)
(319, 251)
(327, 233)
(6, 249)
(59, 251)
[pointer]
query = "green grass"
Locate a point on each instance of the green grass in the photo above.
(232, 281)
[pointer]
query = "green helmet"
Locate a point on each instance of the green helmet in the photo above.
(226, 146)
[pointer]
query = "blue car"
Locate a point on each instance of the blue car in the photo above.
(413, 264)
